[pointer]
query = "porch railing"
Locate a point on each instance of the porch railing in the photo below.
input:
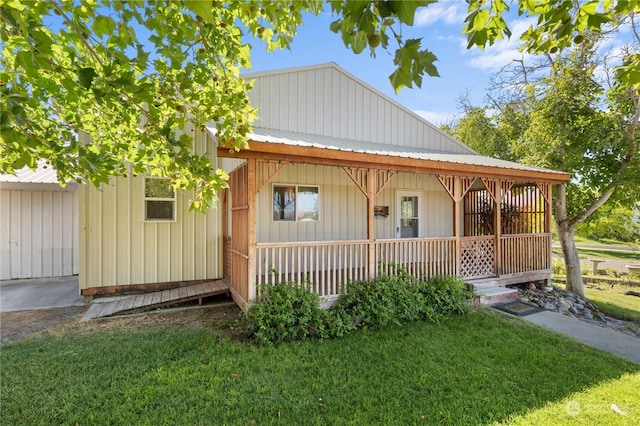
(328, 265)
(421, 257)
(325, 265)
(524, 253)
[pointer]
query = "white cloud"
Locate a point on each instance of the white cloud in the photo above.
(447, 12)
(493, 58)
(436, 118)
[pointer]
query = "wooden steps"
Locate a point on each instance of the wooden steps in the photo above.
(491, 294)
(156, 299)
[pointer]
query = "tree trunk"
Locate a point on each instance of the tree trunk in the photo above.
(566, 233)
(571, 260)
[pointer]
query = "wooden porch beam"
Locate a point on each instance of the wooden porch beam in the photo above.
(267, 170)
(334, 157)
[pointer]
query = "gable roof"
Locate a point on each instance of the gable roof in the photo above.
(322, 114)
(326, 100)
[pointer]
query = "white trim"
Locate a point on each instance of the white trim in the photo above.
(420, 217)
(145, 199)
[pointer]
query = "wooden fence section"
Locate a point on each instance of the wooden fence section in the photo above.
(239, 250)
(524, 253)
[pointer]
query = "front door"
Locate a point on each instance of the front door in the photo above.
(409, 214)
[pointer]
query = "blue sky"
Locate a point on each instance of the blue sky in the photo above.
(440, 26)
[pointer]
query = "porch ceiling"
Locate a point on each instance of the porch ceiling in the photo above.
(270, 144)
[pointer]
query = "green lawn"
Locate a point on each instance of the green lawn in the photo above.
(632, 256)
(615, 302)
(479, 369)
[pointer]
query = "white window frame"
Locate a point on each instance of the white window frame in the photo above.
(174, 199)
(295, 213)
(420, 217)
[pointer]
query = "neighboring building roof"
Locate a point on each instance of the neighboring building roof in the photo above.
(44, 173)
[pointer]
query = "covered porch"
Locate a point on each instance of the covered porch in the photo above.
(494, 224)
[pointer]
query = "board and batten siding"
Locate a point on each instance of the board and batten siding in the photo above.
(39, 230)
(118, 247)
(343, 207)
(325, 100)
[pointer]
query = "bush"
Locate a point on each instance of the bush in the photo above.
(447, 295)
(286, 312)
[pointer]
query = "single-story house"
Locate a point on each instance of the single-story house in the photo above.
(340, 183)
(38, 225)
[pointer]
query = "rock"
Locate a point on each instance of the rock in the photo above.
(549, 306)
(587, 314)
(573, 310)
(578, 306)
(564, 305)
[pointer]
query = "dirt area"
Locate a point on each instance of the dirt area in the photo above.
(224, 317)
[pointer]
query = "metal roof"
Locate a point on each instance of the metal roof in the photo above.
(347, 145)
(44, 173)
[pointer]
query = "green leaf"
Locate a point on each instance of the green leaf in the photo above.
(203, 9)
(406, 10)
(86, 76)
(104, 25)
(359, 42)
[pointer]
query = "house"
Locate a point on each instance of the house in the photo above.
(38, 225)
(340, 183)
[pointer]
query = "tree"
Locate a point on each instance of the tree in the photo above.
(132, 74)
(575, 123)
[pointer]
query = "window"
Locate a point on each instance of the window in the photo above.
(295, 203)
(159, 200)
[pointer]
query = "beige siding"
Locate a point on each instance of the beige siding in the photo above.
(38, 231)
(325, 100)
(119, 248)
(343, 214)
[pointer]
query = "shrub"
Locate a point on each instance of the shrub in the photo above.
(286, 312)
(447, 295)
(558, 267)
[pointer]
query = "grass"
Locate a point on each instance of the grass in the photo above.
(597, 253)
(615, 302)
(479, 369)
(610, 241)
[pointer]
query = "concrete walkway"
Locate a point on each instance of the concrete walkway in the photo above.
(39, 293)
(599, 337)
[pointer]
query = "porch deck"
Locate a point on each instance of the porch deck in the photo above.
(157, 299)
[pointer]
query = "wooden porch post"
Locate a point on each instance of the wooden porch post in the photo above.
(371, 198)
(251, 231)
(497, 202)
(457, 229)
